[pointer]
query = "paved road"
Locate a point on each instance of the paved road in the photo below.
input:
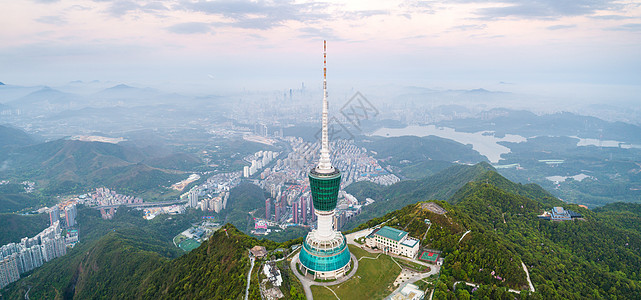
(249, 277)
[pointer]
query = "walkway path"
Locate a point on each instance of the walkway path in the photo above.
(26, 295)
(370, 257)
(529, 282)
(428, 229)
(477, 285)
(249, 277)
(433, 270)
(464, 235)
(332, 292)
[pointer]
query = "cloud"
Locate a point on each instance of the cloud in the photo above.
(627, 27)
(190, 28)
(545, 9)
(469, 27)
(46, 1)
(322, 33)
(418, 6)
(259, 14)
(557, 27)
(120, 8)
(52, 20)
(610, 17)
(362, 14)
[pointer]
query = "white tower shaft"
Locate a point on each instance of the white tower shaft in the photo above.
(325, 164)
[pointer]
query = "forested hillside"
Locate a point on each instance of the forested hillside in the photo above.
(593, 258)
(131, 258)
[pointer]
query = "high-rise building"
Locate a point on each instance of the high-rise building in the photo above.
(70, 215)
(324, 252)
(192, 198)
(8, 270)
(303, 209)
(268, 204)
(295, 212)
(54, 214)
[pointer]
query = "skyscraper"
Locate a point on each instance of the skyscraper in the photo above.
(303, 209)
(54, 215)
(192, 198)
(70, 215)
(324, 253)
(268, 204)
(295, 212)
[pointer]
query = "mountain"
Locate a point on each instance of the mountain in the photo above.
(14, 227)
(125, 95)
(134, 261)
(47, 100)
(410, 149)
(63, 166)
(9, 92)
(442, 186)
(505, 121)
(593, 258)
(13, 137)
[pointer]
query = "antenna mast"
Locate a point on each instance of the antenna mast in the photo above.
(324, 164)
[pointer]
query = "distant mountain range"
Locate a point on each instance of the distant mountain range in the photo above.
(505, 121)
(63, 166)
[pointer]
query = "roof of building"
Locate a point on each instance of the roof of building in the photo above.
(574, 214)
(409, 242)
(391, 233)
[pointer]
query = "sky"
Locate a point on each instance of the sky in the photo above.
(226, 45)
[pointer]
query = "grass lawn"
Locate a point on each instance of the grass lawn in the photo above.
(179, 239)
(373, 279)
(189, 244)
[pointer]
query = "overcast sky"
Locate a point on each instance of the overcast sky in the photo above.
(258, 44)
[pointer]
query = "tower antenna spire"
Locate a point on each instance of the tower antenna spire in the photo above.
(325, 164)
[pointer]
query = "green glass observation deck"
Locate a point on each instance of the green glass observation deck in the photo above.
(324, 187)
(324, 260)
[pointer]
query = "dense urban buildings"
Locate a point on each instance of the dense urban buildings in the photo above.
(324, 253)
(30, 253)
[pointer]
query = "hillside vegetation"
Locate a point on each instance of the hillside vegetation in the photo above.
(594, 258)
(597, 258)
